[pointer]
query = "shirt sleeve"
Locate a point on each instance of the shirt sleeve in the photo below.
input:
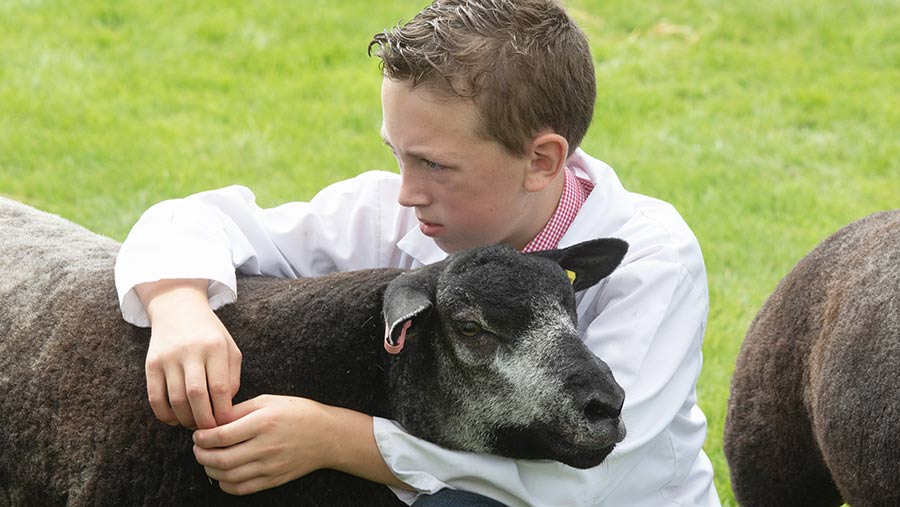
(353, 224)
(648, 320)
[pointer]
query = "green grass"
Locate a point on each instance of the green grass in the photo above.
(769, 124)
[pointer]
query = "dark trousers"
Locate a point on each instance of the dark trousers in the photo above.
(455, 498)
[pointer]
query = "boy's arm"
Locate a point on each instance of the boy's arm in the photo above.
(204, 238)
(648, 328)
(350, 225)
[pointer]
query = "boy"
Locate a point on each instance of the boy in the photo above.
(484, 104)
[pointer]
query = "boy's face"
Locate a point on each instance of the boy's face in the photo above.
(467, 191)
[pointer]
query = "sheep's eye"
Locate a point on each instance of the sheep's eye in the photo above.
(469, 328)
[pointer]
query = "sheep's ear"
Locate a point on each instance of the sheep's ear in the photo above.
(407, 296)
(590, 261)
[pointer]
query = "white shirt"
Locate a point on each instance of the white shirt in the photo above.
(646, 321)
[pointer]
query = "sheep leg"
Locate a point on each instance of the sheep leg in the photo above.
(772, 455)
(775, 465)
(855, 404)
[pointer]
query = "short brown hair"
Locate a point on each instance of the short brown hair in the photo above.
(524, 63)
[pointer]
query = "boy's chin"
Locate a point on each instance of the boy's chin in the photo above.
(447, 248)
(453, 245)
(450, 246)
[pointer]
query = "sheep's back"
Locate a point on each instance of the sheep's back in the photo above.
(42, 256)
(72, 395)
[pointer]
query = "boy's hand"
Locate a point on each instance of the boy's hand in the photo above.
(193, 365)
(276, 439)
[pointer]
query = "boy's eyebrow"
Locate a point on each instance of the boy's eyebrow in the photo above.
(413, 153)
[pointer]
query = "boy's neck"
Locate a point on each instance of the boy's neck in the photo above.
(545, 203)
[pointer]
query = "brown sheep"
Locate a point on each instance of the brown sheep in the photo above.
(814, 413)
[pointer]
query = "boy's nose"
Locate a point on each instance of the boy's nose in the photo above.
(412, 190)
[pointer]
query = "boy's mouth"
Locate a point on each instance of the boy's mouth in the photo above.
(430, 229)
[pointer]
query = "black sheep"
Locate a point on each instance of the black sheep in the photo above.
(76, 428)
(814, 413)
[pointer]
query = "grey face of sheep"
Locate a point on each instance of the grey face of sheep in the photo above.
(491, 361)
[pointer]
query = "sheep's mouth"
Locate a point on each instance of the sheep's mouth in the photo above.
(590, 460)
(601, 441)
(580, 450)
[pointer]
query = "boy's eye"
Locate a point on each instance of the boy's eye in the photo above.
(434, 166)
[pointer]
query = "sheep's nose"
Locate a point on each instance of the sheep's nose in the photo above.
(597, 394)
(603, 408)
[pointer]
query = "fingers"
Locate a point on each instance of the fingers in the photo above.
(178, 399)
(186, 391)
(237, 472)
(237, 455)
(241, 473)
(198, 398)
(233, 433)
(245, 408)
(228, 453)
(192, 386)
(224, 369)
(193, 371)
(178, 392)
(253, 485)
(156, 393)
(234, 367)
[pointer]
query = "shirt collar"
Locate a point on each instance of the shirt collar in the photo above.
(608, 207)
(420, 247)
(575, 192)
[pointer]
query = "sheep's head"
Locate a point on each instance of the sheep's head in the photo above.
(491, 361)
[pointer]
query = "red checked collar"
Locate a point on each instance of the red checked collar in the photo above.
(575, 192)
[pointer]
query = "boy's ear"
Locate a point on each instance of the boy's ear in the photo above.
(591, 261)
(548, 153)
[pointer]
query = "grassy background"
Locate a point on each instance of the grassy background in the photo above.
(769, 123)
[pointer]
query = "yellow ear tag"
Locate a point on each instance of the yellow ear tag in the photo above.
(571, 275)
